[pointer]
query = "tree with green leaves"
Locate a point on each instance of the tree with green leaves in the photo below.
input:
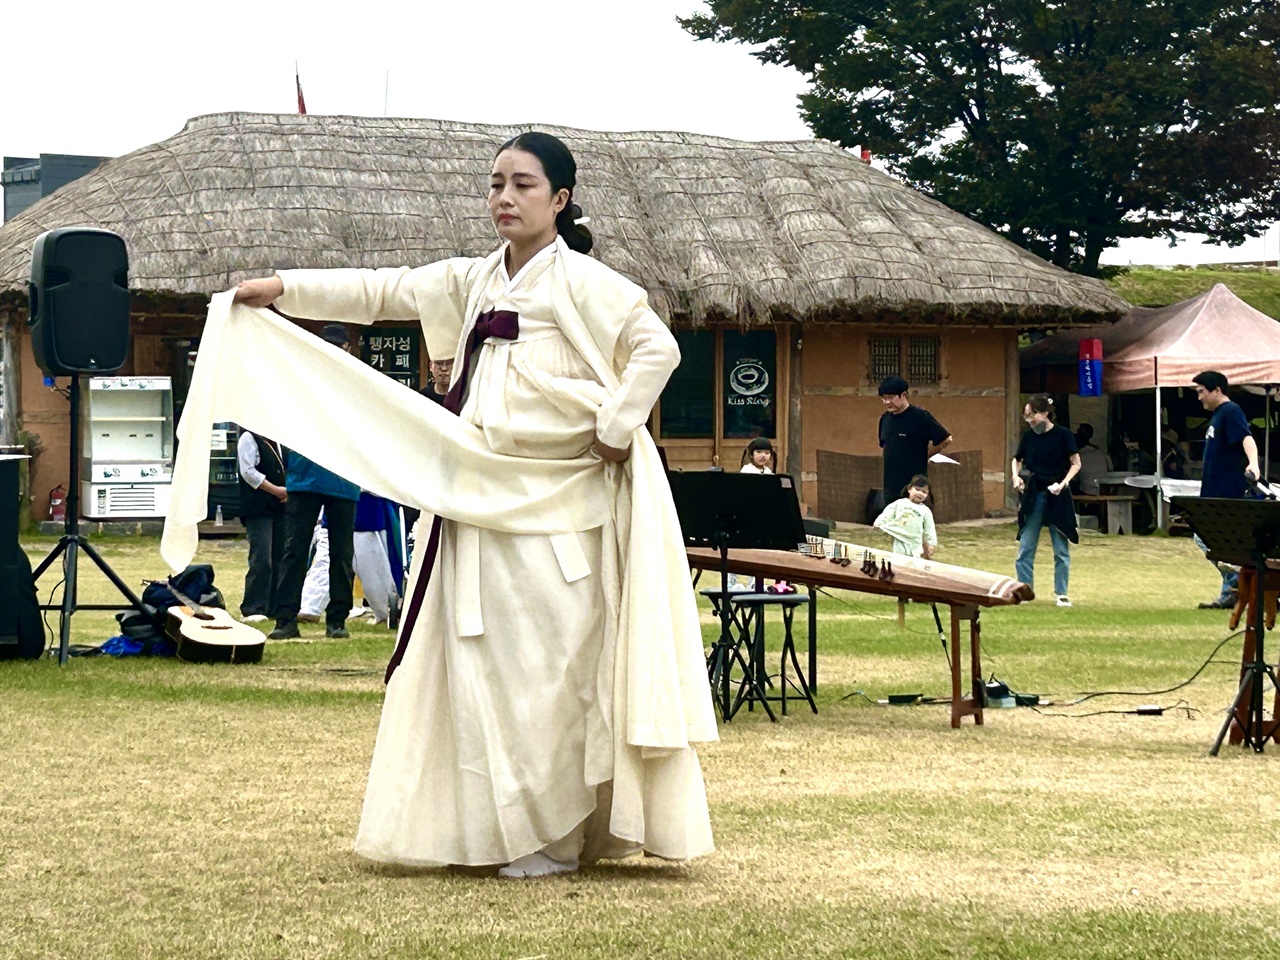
(1066, 125)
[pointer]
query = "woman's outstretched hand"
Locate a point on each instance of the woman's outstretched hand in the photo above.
(259, 293)
(610, 454)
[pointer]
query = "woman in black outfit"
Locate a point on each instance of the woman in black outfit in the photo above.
(1047, 454)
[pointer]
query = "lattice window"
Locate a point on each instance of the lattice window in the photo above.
(922, 359)
(886, 357)
(916, 358)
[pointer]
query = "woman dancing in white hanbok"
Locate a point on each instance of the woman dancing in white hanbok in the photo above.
(529, 719)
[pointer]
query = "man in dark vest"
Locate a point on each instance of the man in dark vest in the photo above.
(262, 499)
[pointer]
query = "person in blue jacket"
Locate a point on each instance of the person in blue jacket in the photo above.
(312, 487)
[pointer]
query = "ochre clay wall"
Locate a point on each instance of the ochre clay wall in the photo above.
(840, 408)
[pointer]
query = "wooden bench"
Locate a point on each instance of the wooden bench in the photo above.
(1118, 509)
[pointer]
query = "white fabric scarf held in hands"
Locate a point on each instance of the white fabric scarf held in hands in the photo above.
(373, 431)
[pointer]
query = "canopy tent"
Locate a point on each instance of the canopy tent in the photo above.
(1165, 347)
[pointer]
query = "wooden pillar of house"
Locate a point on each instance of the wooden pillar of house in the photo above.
(10, 378)
(795, 446)
(1013, 413)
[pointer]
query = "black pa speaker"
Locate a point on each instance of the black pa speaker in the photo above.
(79, 312)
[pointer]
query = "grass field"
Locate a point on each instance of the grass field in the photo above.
(1145, 287)
(150, 808)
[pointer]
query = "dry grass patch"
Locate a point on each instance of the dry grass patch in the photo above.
(156, 809)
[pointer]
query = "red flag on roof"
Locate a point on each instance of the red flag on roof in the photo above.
(302, 104)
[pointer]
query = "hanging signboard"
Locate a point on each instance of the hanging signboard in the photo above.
(750, 387)
(393, 352)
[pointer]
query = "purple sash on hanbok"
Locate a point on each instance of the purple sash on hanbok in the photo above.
(504, 324)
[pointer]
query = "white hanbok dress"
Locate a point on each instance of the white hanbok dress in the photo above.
(506, 727)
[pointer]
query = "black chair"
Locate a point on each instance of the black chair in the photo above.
(747, 650)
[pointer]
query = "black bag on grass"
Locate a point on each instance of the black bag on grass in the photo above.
(30, 639)
(195, 582)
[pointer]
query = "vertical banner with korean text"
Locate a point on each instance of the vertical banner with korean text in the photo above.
(1091, 367)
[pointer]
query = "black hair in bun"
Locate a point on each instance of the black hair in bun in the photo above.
(577, 236)
(562, 172)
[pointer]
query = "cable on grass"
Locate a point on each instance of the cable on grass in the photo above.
(856, 693)
(44, 616)
(1089, 695)
(1154, 710)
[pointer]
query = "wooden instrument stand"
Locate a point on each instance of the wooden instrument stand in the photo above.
(1245, 533)
(965, 600)
(971, 705)
(1243, 610)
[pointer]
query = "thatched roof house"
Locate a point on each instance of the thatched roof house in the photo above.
(754, 251)
(713, 228)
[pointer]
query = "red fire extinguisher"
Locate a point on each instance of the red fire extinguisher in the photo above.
(58, 503)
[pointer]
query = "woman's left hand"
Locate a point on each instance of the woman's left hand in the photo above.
(609, 454)
(1055, 488)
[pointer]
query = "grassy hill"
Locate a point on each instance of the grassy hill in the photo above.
(1157, 288)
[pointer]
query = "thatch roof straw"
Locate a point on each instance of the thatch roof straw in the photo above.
(712, 228)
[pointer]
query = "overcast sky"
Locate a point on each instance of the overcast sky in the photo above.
(108, 78)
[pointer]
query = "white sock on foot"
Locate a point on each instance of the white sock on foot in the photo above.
(536, 865)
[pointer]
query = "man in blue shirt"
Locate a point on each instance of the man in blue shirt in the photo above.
(1230, 459)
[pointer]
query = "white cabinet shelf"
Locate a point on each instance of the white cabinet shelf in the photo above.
(127, 441)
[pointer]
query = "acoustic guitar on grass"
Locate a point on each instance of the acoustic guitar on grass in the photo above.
(210, 634)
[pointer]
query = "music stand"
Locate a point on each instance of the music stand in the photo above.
(743, 511)
(1245, 533)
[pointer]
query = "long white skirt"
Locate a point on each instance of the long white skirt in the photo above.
(495, 745)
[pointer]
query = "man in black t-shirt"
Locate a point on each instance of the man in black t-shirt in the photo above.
(909, 436)
(1230, 464)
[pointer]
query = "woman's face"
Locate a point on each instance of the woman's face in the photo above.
(761, 458)
(521, 203)
(1033, 417)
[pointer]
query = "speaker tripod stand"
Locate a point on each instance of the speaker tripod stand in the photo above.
(72, 543)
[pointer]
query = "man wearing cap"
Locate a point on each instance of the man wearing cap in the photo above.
(312, 487)
(909, 436)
